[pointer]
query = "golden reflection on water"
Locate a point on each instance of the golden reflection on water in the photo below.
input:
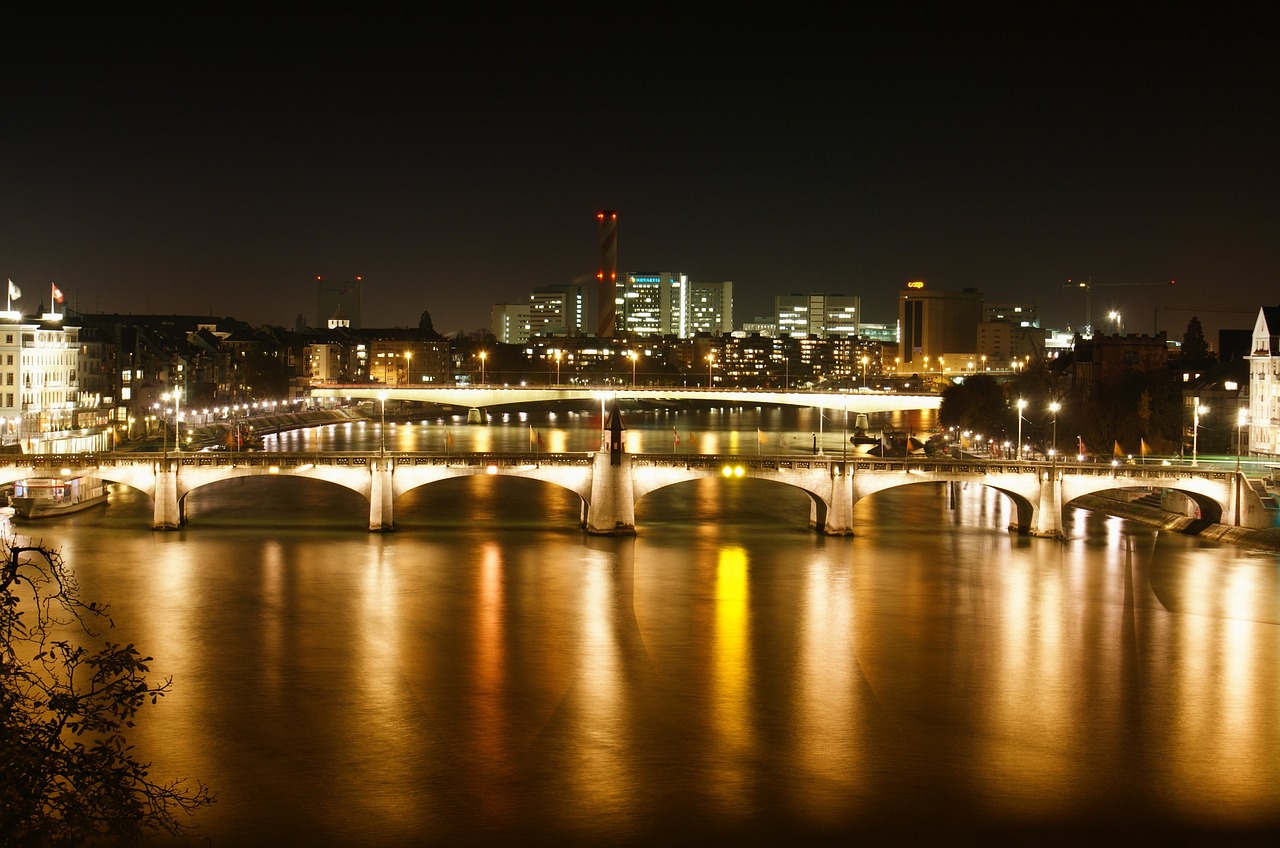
(829, 749)
(598, 759)
(480, 671)
(731, 681)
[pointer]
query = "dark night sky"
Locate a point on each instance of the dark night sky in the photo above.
(175, 163)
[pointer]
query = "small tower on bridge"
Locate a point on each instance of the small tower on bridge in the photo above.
(614, 428)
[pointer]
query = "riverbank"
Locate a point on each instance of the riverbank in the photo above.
(1266, 540)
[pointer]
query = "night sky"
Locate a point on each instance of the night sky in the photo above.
(175, 163)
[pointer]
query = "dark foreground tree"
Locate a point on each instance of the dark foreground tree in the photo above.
(68, 775)
(1194, 345)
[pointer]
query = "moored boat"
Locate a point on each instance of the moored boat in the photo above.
(47, 497)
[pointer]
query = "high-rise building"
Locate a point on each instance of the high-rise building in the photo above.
(654, 304)
(559, 310)
(709, 309)
(338, 301)
(936, 323)
(510, 322)
(822, 316)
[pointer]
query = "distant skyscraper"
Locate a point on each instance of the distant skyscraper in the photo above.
(607, 275)
(339, 300)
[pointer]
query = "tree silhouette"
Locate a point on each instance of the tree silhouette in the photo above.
(1193, 344)
(67, 774)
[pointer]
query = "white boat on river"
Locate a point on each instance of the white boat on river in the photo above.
(47, 497)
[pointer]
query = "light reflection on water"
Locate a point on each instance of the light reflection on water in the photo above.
(489, 673)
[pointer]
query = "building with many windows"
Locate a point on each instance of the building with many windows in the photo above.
(1264, 383)
(822, 316)
(42, 409)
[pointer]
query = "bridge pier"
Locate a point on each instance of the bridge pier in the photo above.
(612, 508)
(168, 513)
(382, 495)
(840, 505)
(1047, 521)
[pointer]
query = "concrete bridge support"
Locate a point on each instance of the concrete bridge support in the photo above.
(382, 495)
(840, 504)
(612, 508)
(168, 513)
(1047, 520)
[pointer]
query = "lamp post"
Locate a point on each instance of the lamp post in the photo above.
(408, 367)
(558, 355)
(1053, 448)
(177, 428)
(1022, 404)
(1242, 418)
(483, 354)
(382, 423)
(634, 357)
(864, 371)
(1195, 432)
(711, 361)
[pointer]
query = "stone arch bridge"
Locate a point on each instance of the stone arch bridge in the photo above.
(610, 485)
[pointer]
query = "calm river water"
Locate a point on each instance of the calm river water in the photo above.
(490, 675)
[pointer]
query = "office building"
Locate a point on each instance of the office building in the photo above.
(935, 324)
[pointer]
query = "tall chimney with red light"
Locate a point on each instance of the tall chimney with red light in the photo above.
(607, 276)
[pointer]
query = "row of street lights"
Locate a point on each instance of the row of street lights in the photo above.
(1242, 418)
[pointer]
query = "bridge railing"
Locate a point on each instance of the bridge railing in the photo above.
(52, 464)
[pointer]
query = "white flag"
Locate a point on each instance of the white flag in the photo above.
(14, 291)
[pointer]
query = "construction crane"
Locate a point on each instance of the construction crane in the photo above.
(1168, 308)
(1089, 285)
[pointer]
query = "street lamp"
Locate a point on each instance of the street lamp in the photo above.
(1022, 404)
(558, 355)
(1195, 431)
(1053, 448)
(382, 422)
(408, 367)
(1242, 418)
(634, 358)
(483, 354)
(711, 361)
(864, 370)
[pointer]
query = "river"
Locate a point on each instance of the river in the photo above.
(488, 674)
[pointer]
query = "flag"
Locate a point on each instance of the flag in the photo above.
(14, 291)
(675, 436)
(57, 293)
(1080, 446)
(760, 437)
(1143, 447)
(1117, 450)
(448, 440)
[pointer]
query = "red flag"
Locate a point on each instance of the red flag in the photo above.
(57, 292)
(675, 436)
(1080, 440)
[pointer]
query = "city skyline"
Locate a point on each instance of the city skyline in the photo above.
(462, 166)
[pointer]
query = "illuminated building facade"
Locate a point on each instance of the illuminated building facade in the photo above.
(822, 316)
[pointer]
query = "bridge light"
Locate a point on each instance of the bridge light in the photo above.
(492, 469)
(275, 469)
(737, 471)
(66, 472)
(727, 471)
